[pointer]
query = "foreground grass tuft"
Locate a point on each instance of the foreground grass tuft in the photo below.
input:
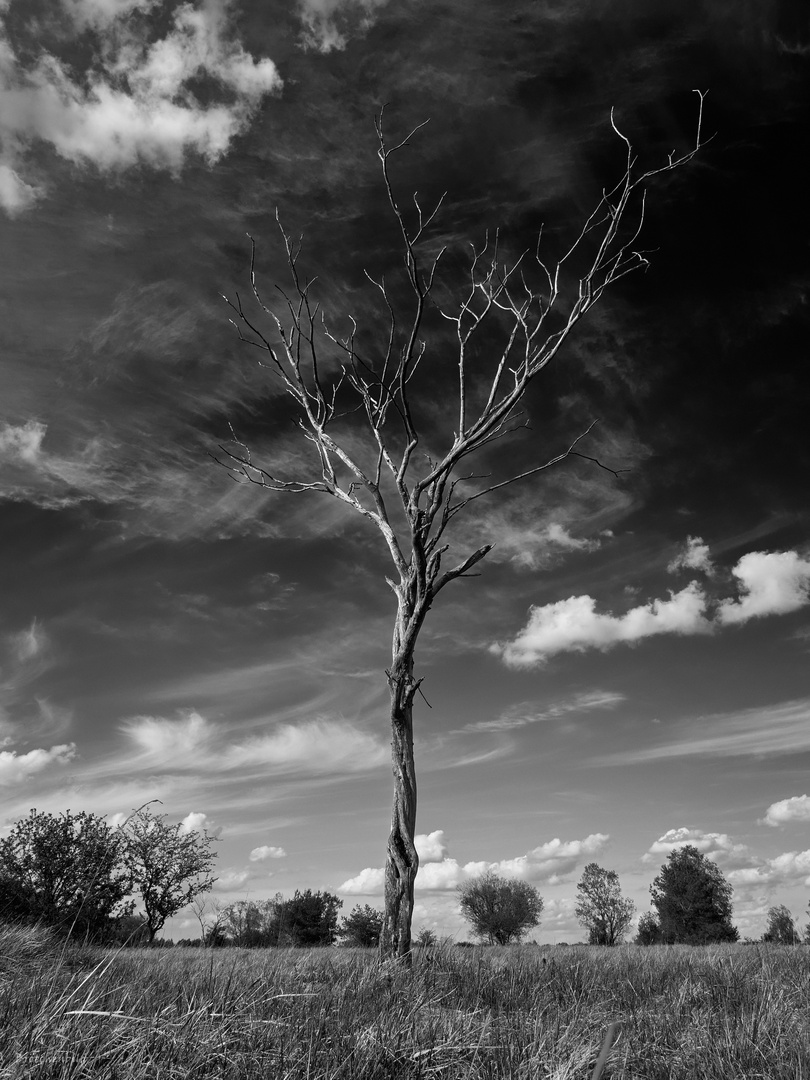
(725, 1011)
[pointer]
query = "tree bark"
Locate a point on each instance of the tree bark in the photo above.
(402, 860)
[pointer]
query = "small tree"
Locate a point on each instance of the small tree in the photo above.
(310, 918)
(426, 938)
(499, 910)
(65, 871)
(693, 900)
(781, 929)
(601, 908)
(168, 865)
(377, 444)
(361, 927)
(649, 932)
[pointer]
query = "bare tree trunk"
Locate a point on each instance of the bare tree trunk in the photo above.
(402, 861)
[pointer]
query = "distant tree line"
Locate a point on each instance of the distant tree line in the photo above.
(82, 877)
(305, 920)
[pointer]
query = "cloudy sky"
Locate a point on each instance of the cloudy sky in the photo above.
(630, 670)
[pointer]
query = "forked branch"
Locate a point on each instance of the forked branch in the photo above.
(339, 385)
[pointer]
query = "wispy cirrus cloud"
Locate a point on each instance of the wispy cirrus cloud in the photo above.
(439, 872)
(330, 24)
(769, 583)
(191, 743)
(25, 655)
(527, 712)
(767, 730)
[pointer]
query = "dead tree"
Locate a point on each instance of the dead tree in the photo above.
(337, 384)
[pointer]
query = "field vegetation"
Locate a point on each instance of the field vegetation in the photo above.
(719, 1011)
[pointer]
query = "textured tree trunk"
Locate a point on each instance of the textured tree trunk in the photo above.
(402, 860)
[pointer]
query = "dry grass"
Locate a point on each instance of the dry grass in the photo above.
(724, 1012)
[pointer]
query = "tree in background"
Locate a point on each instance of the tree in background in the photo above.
(306, 919)
(361, 927)
(168, 864)
(693, 900)
(649, 932)
(65, 871)
(128, 929)
(310, 918)
(499, 910)
(601, 908)
(413, 477)
(426, 938)
(781, 929)
(210, 915)
(252, 924)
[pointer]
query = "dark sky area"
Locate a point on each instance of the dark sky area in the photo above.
(630, 671)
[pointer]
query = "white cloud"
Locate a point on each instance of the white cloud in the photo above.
(231, 879)
(549, 862)
(575, 625)
(771, 582)
(259, 854)
(432, 847)
(16, 195)
(796, 808)
(792, 867)
(15, 767)
(369, 882)
(717, 846)
(197, 822)
(22, 442)
(693, 556)
(133, 104)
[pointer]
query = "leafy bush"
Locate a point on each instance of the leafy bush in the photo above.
(65, 871)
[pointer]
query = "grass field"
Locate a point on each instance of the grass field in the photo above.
(735, 1012)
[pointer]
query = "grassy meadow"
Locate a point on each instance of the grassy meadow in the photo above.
(732, 1011)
